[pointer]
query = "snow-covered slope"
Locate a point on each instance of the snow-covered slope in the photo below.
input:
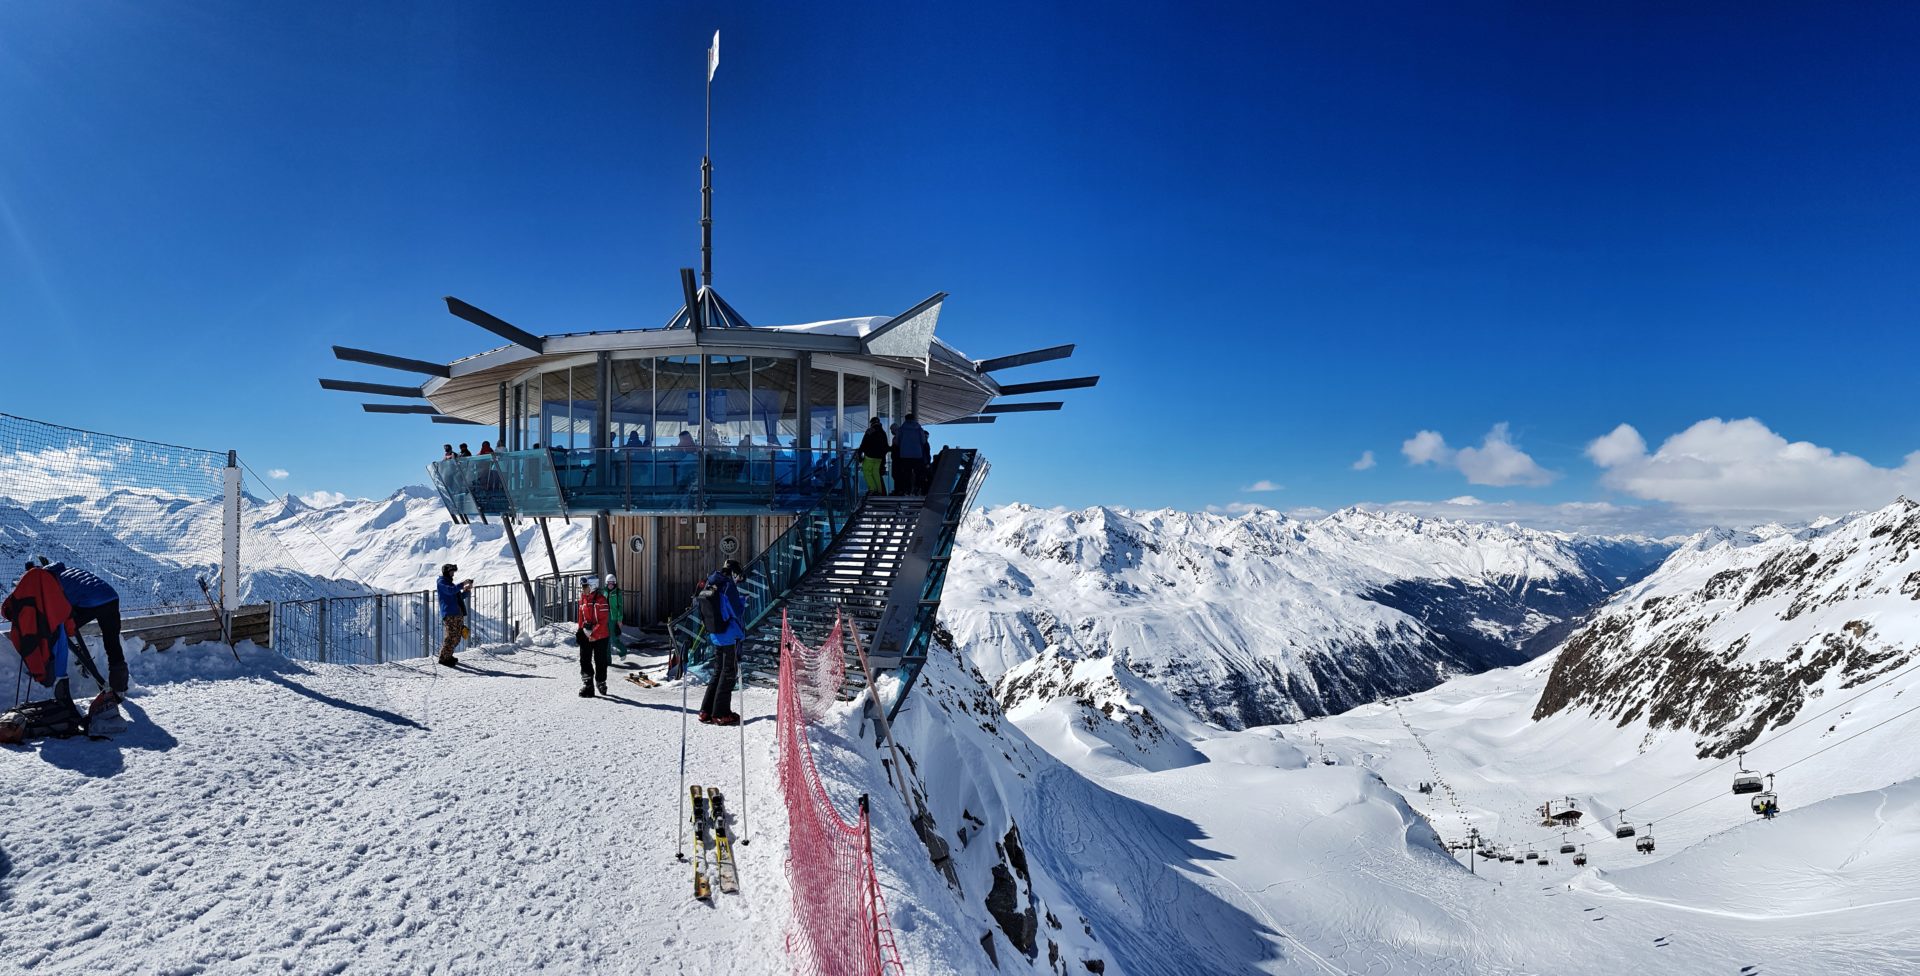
(1739, 633)
(1264, 618)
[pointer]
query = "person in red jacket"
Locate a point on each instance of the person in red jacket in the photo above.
(594, 619)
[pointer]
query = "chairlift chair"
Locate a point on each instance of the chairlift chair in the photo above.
(1624, 831)
(1747, 781)
(1645, 844)
(1765, 800)
(1580, 859)
(1566, 846)
(1533, 855)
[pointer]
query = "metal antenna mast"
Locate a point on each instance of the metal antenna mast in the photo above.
(706, 173)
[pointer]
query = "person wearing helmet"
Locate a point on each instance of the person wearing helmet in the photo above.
(592, 637)
(453, 611)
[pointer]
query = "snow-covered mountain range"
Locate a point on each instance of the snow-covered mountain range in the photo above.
(1739, 632)
(1263, 618)
(154, 547)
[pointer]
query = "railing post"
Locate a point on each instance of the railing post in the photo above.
(426, 623)
(323, 630)
(379, 627)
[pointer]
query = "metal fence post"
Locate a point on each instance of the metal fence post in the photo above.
(323, 630)
(379, 627)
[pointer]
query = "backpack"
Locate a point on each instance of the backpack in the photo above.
(38, 612)
(708, 601)
(39, 720)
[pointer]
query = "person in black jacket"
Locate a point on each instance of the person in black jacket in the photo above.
(873, 457)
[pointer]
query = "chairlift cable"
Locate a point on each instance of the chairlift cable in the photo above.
(1796, 762)
(1789, 729)
(316, 536)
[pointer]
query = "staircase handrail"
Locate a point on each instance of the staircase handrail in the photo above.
(782, 563)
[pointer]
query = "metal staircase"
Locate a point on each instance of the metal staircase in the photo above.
(881, 566)
(855, 578)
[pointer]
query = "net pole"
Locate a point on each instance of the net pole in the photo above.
(230, 539)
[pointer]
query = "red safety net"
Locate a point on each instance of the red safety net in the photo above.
(840, 924)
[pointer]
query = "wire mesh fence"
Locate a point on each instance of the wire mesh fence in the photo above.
(143, 515)
(393, 626)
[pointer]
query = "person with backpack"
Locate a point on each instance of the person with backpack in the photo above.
(592, 638)
(453, 611)
(723, 615)
(873, 457)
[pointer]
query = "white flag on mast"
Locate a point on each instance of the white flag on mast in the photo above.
(713, 55)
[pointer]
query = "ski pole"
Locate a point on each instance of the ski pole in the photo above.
(744, 840)
(680, 843)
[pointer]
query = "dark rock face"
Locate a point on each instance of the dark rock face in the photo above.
(1772, 628)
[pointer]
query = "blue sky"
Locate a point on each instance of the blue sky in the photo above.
(1283, 234)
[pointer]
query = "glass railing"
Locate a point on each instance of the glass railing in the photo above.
(555, 482)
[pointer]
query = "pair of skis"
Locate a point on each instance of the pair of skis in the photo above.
(642, 680)
(710, 826)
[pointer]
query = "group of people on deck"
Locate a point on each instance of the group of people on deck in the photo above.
(909, 449)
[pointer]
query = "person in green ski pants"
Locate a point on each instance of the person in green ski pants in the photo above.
(612, 589)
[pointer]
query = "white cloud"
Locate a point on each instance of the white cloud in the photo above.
(53, 472)
(1366, 461)
(1426, 447)
(1263, 485)
(1585, 518)
(1496, 462)
(277, 474)
(1740, 470)
(323, 499)
(1238, 508)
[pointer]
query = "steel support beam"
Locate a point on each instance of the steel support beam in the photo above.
(401, 363)
(1024, 358)
(1022, 407)
(1048, 386)
(378, 389)
(496, 325)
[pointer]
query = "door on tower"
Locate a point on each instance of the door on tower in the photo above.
(693, 546)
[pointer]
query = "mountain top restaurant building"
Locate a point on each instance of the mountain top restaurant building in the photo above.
(695, 442)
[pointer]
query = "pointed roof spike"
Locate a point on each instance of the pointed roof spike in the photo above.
(718, 313)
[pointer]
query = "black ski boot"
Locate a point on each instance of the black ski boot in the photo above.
(586, 691)
(602, 687)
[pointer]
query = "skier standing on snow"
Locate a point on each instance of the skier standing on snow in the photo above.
(723, 612)
(592, 637)
(453, 611)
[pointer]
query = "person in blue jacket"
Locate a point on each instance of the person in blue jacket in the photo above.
(723, 612)
(453, 611)
(94, 600)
